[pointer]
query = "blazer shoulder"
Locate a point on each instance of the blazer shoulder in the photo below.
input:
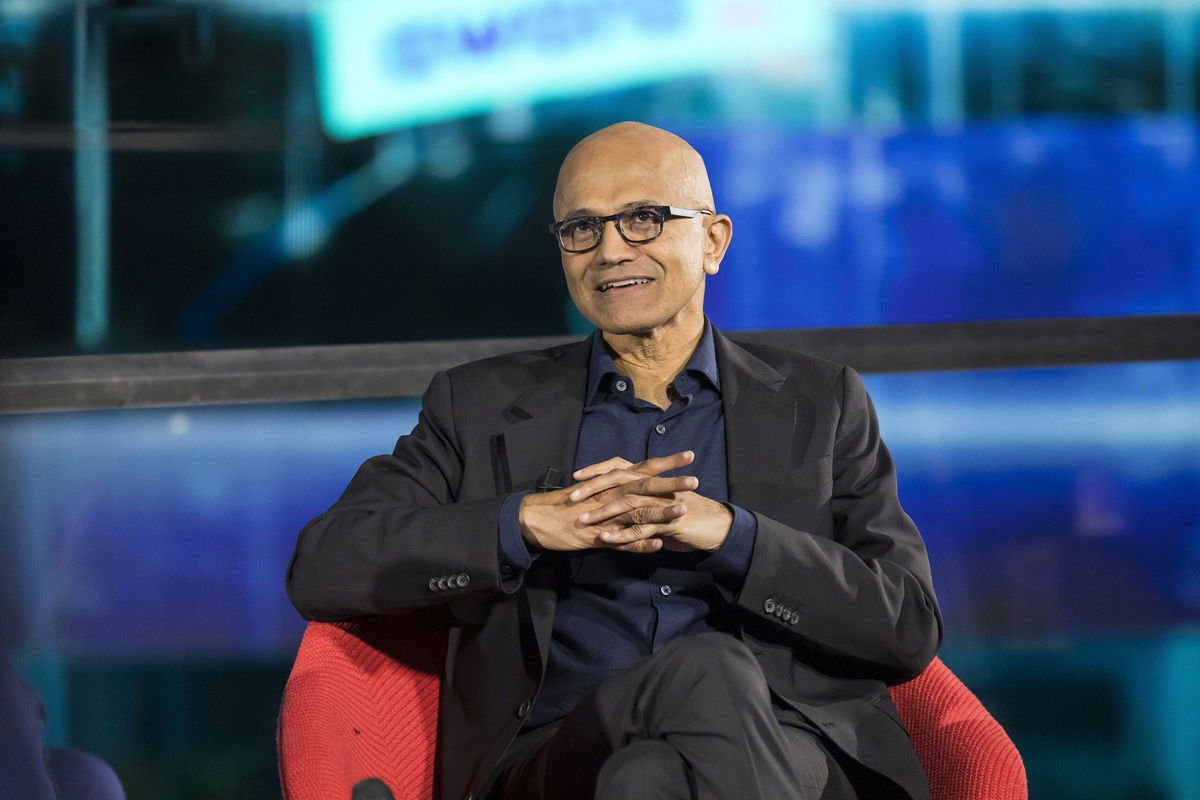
(793, 363)
(516, 364)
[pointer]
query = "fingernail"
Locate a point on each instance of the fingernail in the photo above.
(584, 517)
(574, 495)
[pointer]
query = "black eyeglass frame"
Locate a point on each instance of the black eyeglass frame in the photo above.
(666, 212)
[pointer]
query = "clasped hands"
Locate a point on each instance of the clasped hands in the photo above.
(623, 506)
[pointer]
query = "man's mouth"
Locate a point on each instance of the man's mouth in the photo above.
(621, 284)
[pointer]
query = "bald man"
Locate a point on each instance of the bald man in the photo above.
(674, 566)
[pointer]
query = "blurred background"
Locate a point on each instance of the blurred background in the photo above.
(262, 174)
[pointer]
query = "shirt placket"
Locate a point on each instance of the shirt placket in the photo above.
(660, 441)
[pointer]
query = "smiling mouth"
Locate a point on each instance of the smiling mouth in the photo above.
(604, 287)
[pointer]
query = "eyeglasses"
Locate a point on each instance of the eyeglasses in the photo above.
(637, 225)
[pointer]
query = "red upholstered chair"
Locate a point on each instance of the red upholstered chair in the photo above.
(361, 702)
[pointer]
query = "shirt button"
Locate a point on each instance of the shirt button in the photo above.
(660, 428)
(523, 709)
(622, 386)
(666, 590)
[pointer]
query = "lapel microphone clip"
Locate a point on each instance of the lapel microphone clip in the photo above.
(550, 480)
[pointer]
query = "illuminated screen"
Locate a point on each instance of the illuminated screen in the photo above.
(1053, 502)
(882, 163)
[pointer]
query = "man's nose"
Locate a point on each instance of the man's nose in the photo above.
(613, 249)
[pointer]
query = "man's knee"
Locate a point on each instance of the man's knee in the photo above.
(712, 647)
(713, 655)
(646, 768)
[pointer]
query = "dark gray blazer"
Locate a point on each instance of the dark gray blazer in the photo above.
(837, 602)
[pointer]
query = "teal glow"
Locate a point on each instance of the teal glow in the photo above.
(92, 181)
(384, 65)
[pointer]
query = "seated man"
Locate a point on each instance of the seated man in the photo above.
(714, 603)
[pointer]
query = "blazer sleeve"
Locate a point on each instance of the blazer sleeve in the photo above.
(864, 594)
(399, 536)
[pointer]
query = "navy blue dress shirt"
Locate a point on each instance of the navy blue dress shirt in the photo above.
(620, 607)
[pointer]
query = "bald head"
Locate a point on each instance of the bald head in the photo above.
(642, 156)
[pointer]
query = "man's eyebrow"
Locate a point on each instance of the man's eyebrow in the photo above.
(587, 212)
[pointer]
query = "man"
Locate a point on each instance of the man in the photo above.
(713, 604)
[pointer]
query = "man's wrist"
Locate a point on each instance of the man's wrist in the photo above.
(729, 562)
(724, 512)
(513, 550)
(523, 512)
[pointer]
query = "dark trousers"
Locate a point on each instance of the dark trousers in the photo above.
(694, 721)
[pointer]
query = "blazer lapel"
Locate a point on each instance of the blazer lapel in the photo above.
(544, 420)
(543, 434)
(760, 424)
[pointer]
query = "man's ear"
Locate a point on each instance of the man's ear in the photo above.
(718, 232)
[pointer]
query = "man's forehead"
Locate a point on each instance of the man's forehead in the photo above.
(615, 181)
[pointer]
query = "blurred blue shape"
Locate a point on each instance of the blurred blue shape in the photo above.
(1026, 218)
(168, 532)
(1054, 502)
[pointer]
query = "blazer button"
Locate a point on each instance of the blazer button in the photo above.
(523, 709)
(443, 583)
(462, 580)
(769, 606)
(433, 587)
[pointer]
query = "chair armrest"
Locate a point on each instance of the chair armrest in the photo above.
(965, 752)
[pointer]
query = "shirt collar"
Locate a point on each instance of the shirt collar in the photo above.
(702, 363)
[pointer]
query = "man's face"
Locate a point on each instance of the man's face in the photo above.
(667, 274)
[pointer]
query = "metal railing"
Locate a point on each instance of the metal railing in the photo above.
(343, 372)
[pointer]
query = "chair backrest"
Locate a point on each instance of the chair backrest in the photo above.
(362, 702)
